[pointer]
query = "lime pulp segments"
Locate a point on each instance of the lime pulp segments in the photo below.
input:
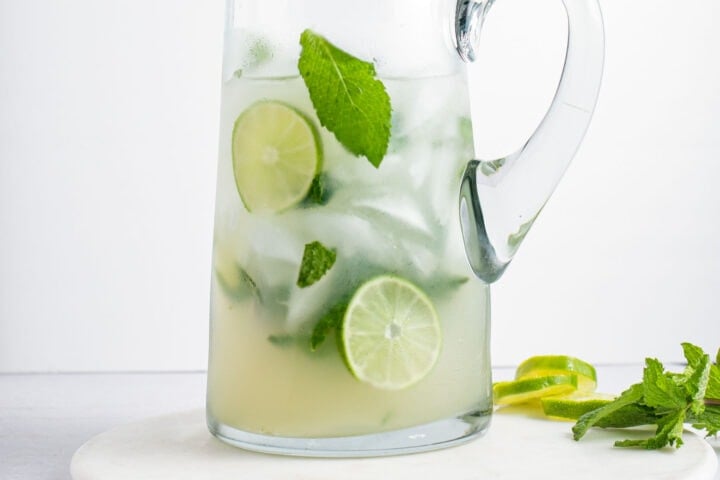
(391, 335)
(276, 154)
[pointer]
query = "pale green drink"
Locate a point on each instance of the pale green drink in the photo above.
(400, 219)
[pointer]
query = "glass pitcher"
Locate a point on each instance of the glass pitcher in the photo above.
(355, 235)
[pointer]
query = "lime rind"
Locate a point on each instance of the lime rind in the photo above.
(575, 405)
(276, 155)
(548, 365)
(528, 389)
(391, 336)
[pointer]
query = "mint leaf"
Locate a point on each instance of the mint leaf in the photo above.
(281, 340)
(630, 396)
(708, 420)
(348, 98)
(696, 385)
(317, 190)
(465, 129)
(693, 354)
(659, 389)
(669, 432)
(332, 320)
(399, 134)
(666, 399)
(698, 360)
(317, 260)
(628, 416)
(713, 388)
(318, 193)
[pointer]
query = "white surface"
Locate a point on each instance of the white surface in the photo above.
(179, 447)
(108, 139)
(108, 135)
(623, 263)
(45, 418)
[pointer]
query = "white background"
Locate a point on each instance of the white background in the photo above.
(108, 137)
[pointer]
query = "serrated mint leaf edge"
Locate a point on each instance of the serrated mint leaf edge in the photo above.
(628, 397)
(307, 38)
(660, 390)
(669, 432)
(697, 384)
(317, 260)
(332, 320)
(708, 420)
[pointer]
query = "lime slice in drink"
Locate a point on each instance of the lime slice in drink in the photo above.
(575, 405)
(521, 391)
(391, 335)
(545, 365)
(276, 154)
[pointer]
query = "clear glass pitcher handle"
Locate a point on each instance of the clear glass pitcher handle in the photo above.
(500, 199)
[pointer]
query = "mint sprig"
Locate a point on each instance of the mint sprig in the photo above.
(665, 399)
(709, 420)
(332, 320)
(348, 98)
(317, 260)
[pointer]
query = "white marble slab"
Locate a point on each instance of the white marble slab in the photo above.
(179, 447)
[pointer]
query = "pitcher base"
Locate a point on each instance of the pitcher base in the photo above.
(431, 436)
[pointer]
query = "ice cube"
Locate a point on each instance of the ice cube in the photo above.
(273, 253)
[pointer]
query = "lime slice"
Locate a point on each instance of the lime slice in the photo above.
(521, 391)
(391, 335)
(575, 405)
(276, 154)
(547, 365)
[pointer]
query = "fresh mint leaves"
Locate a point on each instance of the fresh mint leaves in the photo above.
(317, 260)
(348, 98)
(665, 399)
(660, 390)
(709, 420)
(332, 320)
(713, 387)
(629, 397)
(319, 193)
(669, 433)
